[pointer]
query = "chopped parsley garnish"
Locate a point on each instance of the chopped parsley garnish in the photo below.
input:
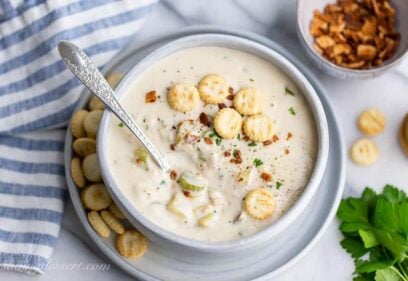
(258, 162)
(289, 92)
(235, 153)
(162, 182)
(292, 111)
(252, 80)
(121, 124)
(239, 137)
(218, 139)
(252, 144)
(278, 185)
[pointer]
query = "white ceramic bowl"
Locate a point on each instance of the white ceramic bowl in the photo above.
(183, 247)
(305, 10)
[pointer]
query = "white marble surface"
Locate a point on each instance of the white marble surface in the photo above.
(274, 19)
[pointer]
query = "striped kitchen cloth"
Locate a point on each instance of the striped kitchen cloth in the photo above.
(37, 94)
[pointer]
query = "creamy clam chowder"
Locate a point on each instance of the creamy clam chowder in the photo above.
(220, 188)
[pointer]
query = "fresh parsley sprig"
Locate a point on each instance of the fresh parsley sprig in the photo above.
(375, 229)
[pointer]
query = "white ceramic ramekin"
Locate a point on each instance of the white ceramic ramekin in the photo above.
(182, 247)
(305, 10)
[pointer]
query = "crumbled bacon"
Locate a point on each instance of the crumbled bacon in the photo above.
(266, 177)
(227, 154)
(287, 151)
(236, 160)
(237, 153)
(151, 97)
(221, 106)
(204, 119)
(353, 33)
(173, 174)
(172, 146)
(237, 157)
(289, 136)
(207, 140)
(187, 194)
(275, 138)
(268, 142)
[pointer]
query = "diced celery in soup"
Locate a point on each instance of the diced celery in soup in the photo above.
(242, 144)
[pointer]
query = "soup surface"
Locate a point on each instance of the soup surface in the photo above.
(222, 172)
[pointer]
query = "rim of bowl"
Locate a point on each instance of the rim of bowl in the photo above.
(355, 72)
(273, 57)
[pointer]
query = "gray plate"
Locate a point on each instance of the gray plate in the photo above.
(285, 250)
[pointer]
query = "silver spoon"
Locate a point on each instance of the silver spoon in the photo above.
(84, 69)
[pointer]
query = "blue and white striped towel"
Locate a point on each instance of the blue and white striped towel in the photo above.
(37, 93)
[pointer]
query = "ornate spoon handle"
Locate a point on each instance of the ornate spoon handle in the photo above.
(84, 69)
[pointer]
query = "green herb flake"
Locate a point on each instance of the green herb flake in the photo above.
(213, 135)
(292, 111)
(375, 230)
(278, 185)
(289, 92)
(239, 137)
(257, 162)
(120, 124)
(251, 144)
(252, 80)
(162, 182)
(235, 153)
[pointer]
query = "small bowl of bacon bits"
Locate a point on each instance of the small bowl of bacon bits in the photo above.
(354, 38)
